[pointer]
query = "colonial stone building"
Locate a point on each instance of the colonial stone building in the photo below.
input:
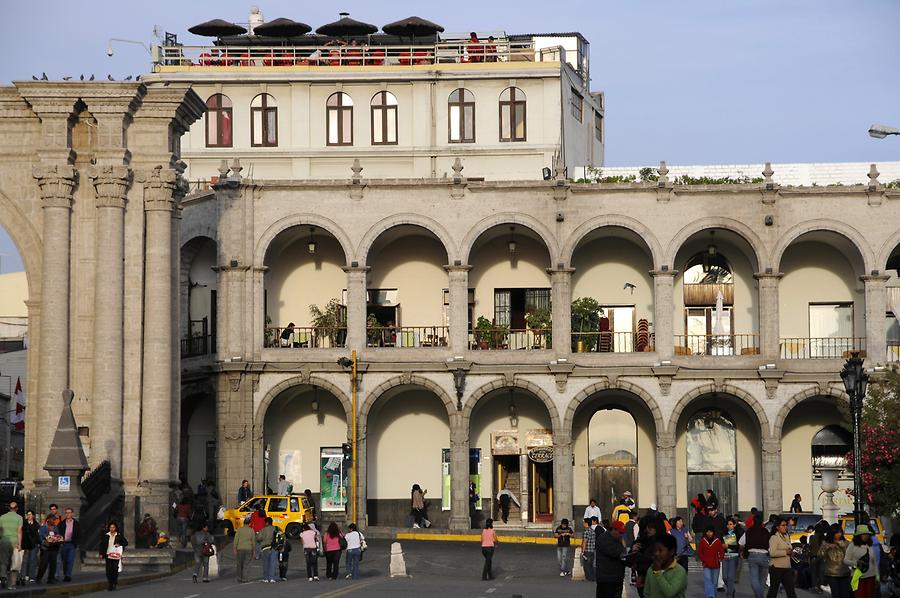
(563, 340)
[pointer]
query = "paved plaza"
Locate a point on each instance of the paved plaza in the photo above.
(435, 569)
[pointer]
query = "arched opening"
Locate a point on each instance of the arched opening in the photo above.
(511, 441)
(716, 296)
(13, 354)
(304, 294)
(510, 289)
(408, 432)
(813, 436)
(612, 271)
(304, 429)
(614, 446)
(892, 325)
(717, 447)
(198, 297)
(821, 301)
(407, 289)
(198, 438)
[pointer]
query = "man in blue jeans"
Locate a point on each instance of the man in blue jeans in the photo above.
(69, 529)
(755, 542)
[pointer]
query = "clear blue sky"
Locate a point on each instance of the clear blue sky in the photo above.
(690, 82)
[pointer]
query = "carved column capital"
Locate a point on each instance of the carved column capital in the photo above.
(111, 184)
(161, 186)
(57, 183)
(665, 441)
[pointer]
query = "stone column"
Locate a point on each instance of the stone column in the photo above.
(156, 400)
(773, 501)
(561, 297)
(459, 308)
(239, 442)
(356, 306)
(666, 495)
(459, 475)
(769, 323)
(361, 471)
(563, 476)
(111, 184)
(664, 312)
(876, 325)
(57, 183)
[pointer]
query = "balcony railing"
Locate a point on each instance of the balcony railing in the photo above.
(716, 345)
(612, 342)
(195, 346)
(502, 338)
(407, 336)
(444, 52)
(821, 348)
(306, 338)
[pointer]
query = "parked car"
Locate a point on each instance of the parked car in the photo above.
(288, 513)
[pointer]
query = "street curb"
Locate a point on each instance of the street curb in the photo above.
(93, 586)
(504, 539)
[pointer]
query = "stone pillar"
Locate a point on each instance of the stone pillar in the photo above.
(769, 323)
(157, 392)
(773, 501)
(664, 312)
(111, 184)
(239, 442)
(360, 470)
(561, 298)
(563, 476)
(876, 325)
(666, 495)
(459, 308)
(56, 183)
(356, 306)
(459, 475)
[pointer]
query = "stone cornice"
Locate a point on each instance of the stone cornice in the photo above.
(160, 186)
(57, 183)
(111, 184)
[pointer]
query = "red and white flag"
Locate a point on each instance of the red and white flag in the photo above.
(18, 417)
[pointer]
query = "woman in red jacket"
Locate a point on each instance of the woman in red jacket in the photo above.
(711, 551)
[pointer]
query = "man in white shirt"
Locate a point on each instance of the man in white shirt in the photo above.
(505, 496)
(282, 485)
(592, 510)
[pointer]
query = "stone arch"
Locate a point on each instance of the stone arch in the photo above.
(885, 252)
(274, 229)
(27, 242)
(413, 380)
(197, 229)
(810, 393)
(760, 253)
(429, 224)
(623, 385)
(706, 389)
(613, 220)
(848, 232)
(510, 218)
(479, 393)
(301, 380)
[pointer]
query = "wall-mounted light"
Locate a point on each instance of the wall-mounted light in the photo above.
(315, 401)
(311, 244)
(512, 240)
(513, 411)
(711, 248)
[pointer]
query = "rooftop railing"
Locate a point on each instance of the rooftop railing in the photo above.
(821, 348)
(445, 52)
(716, 345)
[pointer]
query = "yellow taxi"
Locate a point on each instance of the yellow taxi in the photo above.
(288, 513)
(804, 520)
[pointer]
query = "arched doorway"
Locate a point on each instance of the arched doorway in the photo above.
(198, 297)
(198, 438)
(892, 325)
(304, 429)
(13, 354)
(712, 457)
(612, 456)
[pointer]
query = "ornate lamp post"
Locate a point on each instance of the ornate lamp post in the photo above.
(855, 381)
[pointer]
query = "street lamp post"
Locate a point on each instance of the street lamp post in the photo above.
(855, 381)
(882, 131)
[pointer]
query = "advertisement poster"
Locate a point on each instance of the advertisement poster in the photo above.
(289, 466)
(334, 481)
(474, 476)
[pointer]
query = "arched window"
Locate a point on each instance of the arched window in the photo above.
(384, 118)
(263, 121)
(708, 302)
(512, 114)
(461, 117)
(712, 457)
(218, 121)
(339, 119)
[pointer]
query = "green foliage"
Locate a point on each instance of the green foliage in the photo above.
(586, 313)
(482, 330)
(328, 321)
(895, 184)
(726, 180)
(373, 330)
(538, 318)
(648, 175)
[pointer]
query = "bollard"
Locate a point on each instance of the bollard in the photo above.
(398, 564)
(577, 569)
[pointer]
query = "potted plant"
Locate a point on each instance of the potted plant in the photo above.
(373, 331)
(499, 336)
(586, 313)
(540, 321)
(482, 332)
(329, 322)
(269, 332)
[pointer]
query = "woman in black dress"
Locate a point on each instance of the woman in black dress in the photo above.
(112, 543)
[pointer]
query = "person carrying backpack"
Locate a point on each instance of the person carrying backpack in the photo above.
(204, 547)
(284, 556)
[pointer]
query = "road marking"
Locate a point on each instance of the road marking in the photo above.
(490, 590)
(349, 589)
(192, 596)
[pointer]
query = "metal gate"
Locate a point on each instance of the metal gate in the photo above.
(723, 484)
(609, 482)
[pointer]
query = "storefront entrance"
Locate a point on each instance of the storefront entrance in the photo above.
(541, 492)
(507, 476)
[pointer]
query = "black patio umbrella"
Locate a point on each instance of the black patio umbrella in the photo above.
(217, 28)
(282, 28)
(412, 27)
(346, 27)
